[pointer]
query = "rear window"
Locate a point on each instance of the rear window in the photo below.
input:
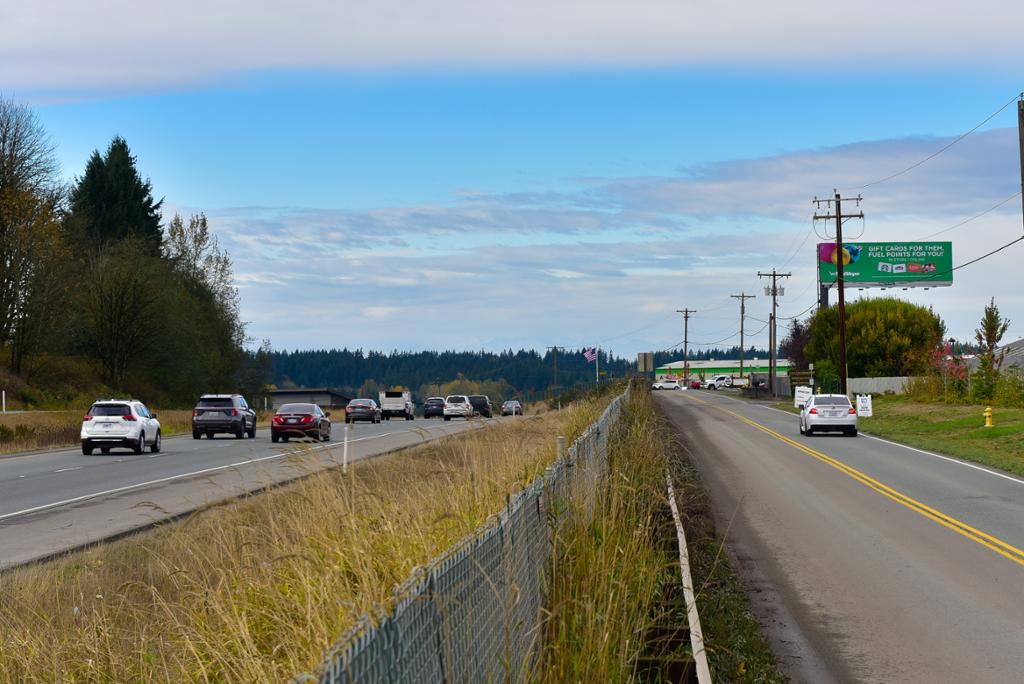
(219, 402)
(435, 401)
(831, 401)
(456, 399)
(110, 410)
(296, 408)
(359, 402)
(394, 395)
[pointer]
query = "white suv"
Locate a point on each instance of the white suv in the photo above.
(122, 423)
(457, 406)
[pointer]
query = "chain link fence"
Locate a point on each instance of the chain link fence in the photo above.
(473, 614)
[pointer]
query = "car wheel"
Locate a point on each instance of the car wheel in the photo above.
(274, 438)
(447, 418)
(315, 435)
(285, 438)
(141, 444)
(87, 449)
(155, 448)
(801, 428)
(809, 431)
(327, 435)
(196, 435)
(853, 432)
(240, 432)
(252, 431)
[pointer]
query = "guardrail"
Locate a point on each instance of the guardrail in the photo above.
(473, 614)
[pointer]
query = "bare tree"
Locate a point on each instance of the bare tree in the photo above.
(196, 254)
(27, 159)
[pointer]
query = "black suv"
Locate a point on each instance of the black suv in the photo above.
(433, 406)
(481, 405)
(223, 413)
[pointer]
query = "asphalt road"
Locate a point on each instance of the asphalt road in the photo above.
(866, 561)
(56, 500)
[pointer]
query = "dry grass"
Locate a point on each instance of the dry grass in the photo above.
(256, 590)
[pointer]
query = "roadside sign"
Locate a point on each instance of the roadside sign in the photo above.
(801, 395)
(864, 405)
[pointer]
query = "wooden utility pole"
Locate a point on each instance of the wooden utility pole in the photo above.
(1020, 135)
(686, 344)
(743, 297)
(775, 293)
(840, 282)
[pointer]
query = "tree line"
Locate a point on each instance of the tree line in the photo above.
(93, 284)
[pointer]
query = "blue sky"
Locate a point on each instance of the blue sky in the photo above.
(454, 180)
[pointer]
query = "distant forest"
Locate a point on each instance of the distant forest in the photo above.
(525, 372)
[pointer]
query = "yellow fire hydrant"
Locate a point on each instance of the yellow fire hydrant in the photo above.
(988, 416)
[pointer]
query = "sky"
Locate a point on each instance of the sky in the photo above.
(451, 175)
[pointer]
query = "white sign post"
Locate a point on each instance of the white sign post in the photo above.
(864, 405)
(801, 395)
(344, 452)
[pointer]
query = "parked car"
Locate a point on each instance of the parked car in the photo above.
(218, 413)
(362, 409)
(719, 382)
(511, 408)
(300, 420)
(696, 384)
(120, 423)
(828, 413)
(666, 385)
(481, 405)
(457, 406)
(433, 406)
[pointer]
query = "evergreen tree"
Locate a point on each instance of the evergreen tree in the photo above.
(111, 202)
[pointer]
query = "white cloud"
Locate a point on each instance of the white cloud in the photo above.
(120, 45)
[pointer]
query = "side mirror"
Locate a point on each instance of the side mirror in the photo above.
(327, 413)
(153, 416)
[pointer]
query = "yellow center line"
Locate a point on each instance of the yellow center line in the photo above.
(994, 543)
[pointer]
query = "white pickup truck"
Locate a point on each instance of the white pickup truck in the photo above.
(723, 381)
(396, 404)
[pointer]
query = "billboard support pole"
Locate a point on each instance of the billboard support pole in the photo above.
(840, 283)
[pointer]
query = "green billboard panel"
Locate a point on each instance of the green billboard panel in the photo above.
(887, 264)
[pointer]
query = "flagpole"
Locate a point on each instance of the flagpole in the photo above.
(597, 366)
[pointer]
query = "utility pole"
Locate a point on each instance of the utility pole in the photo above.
(775, 292)
(840, 282)
(686, 344)
(743, 297)
(1020, 134)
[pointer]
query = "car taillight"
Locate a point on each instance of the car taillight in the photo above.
(129, 418)
(307, 419)
(278, 419)
(853, 411)
(234, 412)
(86, 417)
(194, 413)
(813, 410)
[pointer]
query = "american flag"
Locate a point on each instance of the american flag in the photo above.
(590, 355)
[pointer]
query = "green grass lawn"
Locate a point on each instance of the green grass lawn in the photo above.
(955, 430)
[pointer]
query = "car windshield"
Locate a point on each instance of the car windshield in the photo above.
(296, 408)
(216, 401)
(110, 410)
(831, 401)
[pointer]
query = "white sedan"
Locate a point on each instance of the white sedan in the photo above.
(666, 385)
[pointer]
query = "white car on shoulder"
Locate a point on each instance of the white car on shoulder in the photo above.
(666, 385)
(122, 424)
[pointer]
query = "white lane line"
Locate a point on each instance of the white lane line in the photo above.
(180, 476)
(64, 470)
(950, 459)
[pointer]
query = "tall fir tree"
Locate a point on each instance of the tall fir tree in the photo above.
(111, 202)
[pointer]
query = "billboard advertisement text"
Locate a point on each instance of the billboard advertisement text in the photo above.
(887, 264)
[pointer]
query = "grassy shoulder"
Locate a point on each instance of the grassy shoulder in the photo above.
(256, 590)
(956, 430)
(616, 612)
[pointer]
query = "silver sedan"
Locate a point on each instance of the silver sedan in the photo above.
(828, 413)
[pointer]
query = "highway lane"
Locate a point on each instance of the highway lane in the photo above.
(867, 561)
(55, 500)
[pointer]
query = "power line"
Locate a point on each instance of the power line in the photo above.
(940, 151)
(976, 216)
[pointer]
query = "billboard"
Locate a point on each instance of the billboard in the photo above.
(888, 264)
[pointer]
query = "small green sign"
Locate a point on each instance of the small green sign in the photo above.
(888, 264)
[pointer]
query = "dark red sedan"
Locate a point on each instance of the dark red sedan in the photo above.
(300, 420)
(362, 409)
